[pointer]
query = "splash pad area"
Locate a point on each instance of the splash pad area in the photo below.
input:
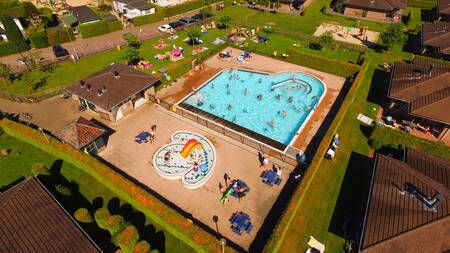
(189, 157)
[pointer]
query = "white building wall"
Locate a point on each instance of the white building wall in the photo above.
(130, 13)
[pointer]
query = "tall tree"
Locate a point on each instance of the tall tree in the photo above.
(225, 20)
(193, 35)
(394, 35)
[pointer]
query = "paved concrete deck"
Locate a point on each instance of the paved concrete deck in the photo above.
(237, 160)
(212, 66)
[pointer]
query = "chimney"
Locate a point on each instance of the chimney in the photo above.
(103, 89)
(88, 87)
(82, 83)
(116, 74)
(99, 92)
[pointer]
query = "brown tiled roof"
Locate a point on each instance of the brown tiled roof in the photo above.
(117, 88)
(80, 133)
(437, 35)
(444, 7)
(32, 221)
(84, 14)
(377, 5)
(397, 220)
(425, 85)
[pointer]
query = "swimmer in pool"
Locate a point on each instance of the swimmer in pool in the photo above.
(228, 91)
(245, 110)
(271, 123)
(211, 106)
(290, 99)
(245, 92)
(284, 114)
(278, 96)
(229, 107)
(234, 118)
(260, 80)
(259, 97)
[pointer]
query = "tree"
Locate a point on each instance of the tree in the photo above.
(225, 20)
(193, 35)
(326, 39)
(394, 35)
(142, 247)
(101, 217)
(39, 169)
(338, 5)
(128, 238)
(6, 73)
(132, 40)
(131, 55)
(115, 224)
(83, 215)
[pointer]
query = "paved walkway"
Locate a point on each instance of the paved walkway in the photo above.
(83, 47)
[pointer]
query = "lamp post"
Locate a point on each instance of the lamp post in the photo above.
(45, 136)
(223, 242)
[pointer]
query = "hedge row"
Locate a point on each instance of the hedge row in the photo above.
(58, 35)
(38, 38)
(295, 201)
(423, 4)
(393, 138)
(21, 9)
(160, 213)
(16, 42)
(98, 28)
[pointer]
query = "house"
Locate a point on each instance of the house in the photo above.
(133, 8)
(83, 14)
(443, 9)
(420, 90)
(32, 220)
(435, 39)
(115, 91)
(375, 9)
(3, 35)
(83, 134)
(408, 207)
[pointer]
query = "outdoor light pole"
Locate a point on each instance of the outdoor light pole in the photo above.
(42, 131)
(223, 242)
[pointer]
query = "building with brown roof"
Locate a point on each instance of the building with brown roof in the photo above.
(114, 92)
(443, 8)
(83, 134)
(420, 92)
(408, 205)
(84, 14)
(375, 9)
(33, 221)
(435, 39)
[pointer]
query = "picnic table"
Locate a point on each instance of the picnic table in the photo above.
(270, 177)
(142, 137)
(241, 221)
(241, 184)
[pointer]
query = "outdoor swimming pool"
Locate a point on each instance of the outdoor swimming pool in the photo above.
(272, 105)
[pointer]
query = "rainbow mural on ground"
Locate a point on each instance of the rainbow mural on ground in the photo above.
(189, 157)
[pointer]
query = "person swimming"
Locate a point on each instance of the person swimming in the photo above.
(228, 91)
(290, 99)
(259, 97)
(260, 80)
(278, 96)
(284, 114)
(234, 119)
(271, 123)
(229, 107)
(245, 92)
(245, 111)
(212, 106)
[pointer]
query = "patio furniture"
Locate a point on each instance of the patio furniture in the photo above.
(270, 177)
(142, 137)
(240, 221)
(242, 185)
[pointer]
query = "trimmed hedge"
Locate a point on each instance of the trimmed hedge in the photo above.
(423, 4)
(281, 229)
(98, 28)
(16, 42)
(393, 138)
(158, 212)
(38, 38)
(142, 20)
(58, 35)
(21, 9)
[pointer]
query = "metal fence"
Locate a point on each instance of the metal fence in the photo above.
(289, 156)
(31, 98)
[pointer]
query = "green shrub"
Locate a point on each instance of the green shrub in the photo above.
(38, 38)
(114, 25)
(115, 224)
(128, 238)
(39, 169)
(93, 29)
(142, 20)
(48, 18)
(21, 9)
(101, 217)
(83, 215)
(142, 247)
(63, 190)
(423, 4)
(16, 42)
(58, 35)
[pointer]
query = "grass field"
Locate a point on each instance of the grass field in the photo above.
(23, 156)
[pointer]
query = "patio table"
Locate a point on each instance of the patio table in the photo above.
(270, 177)
(142, 137)
(240, 221)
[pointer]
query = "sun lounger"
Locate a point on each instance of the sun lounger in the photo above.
(366, 120)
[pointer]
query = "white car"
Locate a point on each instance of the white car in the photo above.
(165, 28)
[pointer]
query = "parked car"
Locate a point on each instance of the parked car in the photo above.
(59, 51)
(176, 24)
(187, 20)
(165, 28)
(201, 16)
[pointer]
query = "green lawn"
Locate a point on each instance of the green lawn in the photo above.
(23, 156)
(415, 19)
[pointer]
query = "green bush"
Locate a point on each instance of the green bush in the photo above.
(39, 169)
(48, 17)
(63, 190)
(115, 224)
(142, 20)
(21, 9)
(423, 4)
(114, 25)
(128, 238)
(16, 42)
(83, 215)
(98, 28)
(101, 217)
(142, 247)
(38, 38)
(58, 35)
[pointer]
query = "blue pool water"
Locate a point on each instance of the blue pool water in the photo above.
(274, 106)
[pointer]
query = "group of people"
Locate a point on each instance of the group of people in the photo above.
(233, 186)
(263, 162)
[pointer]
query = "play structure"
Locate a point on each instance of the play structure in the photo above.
(355, 35)
(189, 157)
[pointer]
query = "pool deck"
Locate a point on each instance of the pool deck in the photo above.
(239, 161)
(183, 87)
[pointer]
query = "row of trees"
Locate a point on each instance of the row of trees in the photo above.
(123, 235)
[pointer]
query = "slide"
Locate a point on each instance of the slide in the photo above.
(190, 146)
